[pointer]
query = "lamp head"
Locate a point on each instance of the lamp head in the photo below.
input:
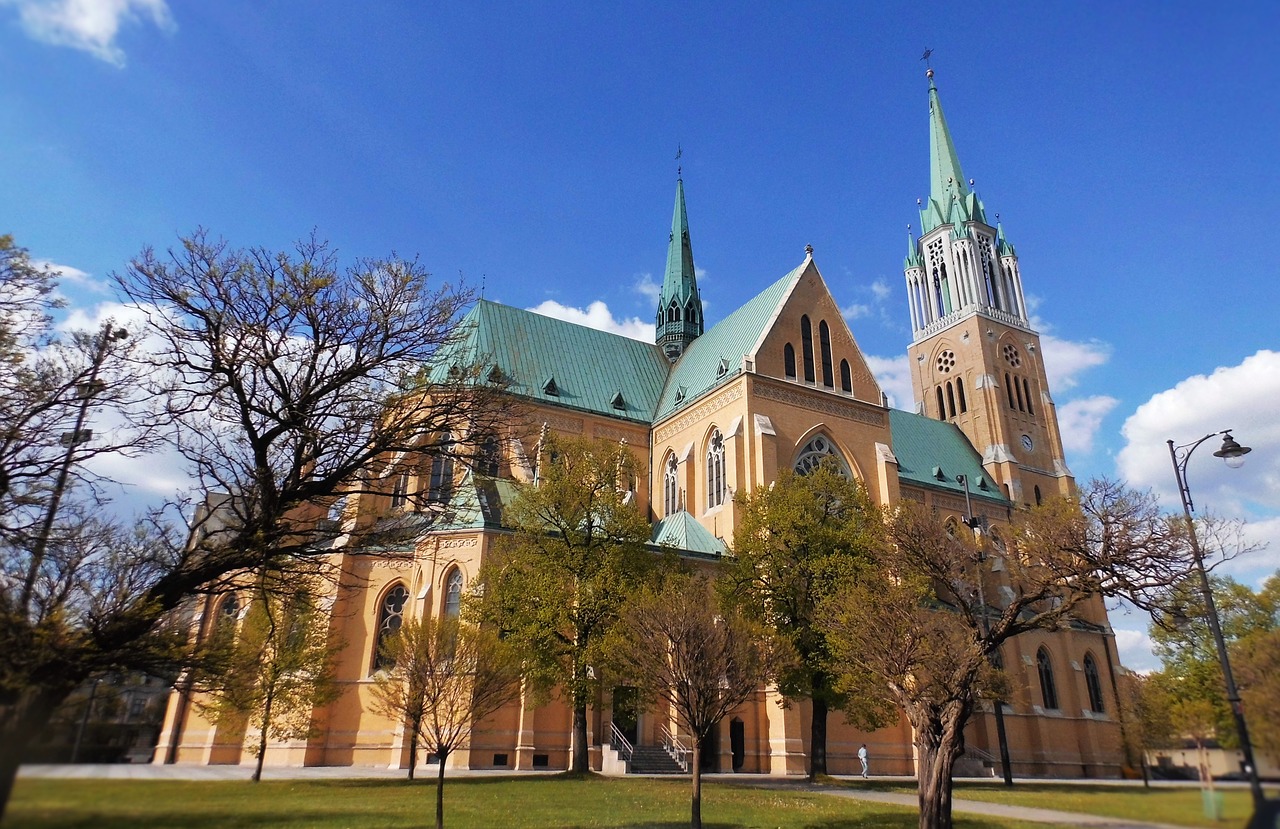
(1232, 452)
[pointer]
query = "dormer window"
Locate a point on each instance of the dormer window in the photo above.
(618, 402)
(550, 388)
(723, 368)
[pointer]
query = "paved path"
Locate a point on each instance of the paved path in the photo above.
(126, 771)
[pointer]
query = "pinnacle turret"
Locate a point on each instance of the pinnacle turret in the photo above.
(679, 319)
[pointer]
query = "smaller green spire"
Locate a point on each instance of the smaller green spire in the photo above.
(679, 319)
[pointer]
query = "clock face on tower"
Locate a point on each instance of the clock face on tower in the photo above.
(1027, 443)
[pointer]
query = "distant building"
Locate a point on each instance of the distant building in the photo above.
(779, 383)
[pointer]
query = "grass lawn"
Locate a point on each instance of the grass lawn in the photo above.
(470, 803)
(1156, 805)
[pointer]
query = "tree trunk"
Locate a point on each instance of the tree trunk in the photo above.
(695, 818)
(818, 739)
(443, 755)
(934, 780)
(581, 757)
(21, 722)
(262, 737)
(415, 734)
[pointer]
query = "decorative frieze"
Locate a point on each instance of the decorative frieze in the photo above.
(819, 402)
(699, 412)
(570, 425)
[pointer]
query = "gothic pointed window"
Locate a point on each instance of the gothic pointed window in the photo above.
(819, 448)
(1027, 388)
(944, 290)
(1048, 690)
(390, 618)
(789, 361)
(441, 481)
(806, 347)
(1008, 388)
(400, 491)
(942, 406)
(717, 485)
(489, 458)
(951, 400)
(453, 594)
(1093, 684)
(824, 339)
(964, 406)
(846, 378)
(227, 616)
(671, 485)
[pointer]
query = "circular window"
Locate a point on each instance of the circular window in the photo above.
(1011, 356)
(946, 361)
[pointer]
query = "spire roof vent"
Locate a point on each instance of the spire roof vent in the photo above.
(550, 387)
(617, 401)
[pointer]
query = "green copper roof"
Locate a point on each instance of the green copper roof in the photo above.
(675, 329)
(932, 453)
(716, 356)
(558, 362)
(950, 199)
(683, 532)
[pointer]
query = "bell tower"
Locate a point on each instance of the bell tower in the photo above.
(975, 359)
(679, 320)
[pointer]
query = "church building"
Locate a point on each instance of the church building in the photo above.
(711, 411)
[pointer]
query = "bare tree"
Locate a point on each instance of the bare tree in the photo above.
(443, 678)
(677, 646)
(919, 628)
(283, 378)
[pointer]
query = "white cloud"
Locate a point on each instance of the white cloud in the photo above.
(73, 276)
(645, 286)
(88, 25)
(597, 315)
(894, 376)
(1135, 650)
(881, 290)
(1079, 421)
(1065, 359)
(855, 311)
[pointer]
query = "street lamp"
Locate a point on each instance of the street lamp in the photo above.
(1233, 453)
(975, 524)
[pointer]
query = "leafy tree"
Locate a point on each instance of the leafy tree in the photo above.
(557, 585)
(445, 677)
(675, 645)
(797, 541)
(276, 668)
(919, 631)
(281, 378)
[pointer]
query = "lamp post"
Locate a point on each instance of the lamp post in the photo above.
(1233, 453)
(975, 524)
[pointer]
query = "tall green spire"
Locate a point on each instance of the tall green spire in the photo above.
(946, 177)
(679, 319)
(951, 201)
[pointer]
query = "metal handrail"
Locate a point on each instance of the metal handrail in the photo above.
(676, 748)
(620, 743)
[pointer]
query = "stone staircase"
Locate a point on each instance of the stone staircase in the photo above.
(653, 760)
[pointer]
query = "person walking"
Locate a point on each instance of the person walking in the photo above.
(862, 755)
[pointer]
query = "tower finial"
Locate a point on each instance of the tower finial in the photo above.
(679, 167)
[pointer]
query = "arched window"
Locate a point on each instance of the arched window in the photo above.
(806, 347)
(1008, 388)
(1026, 388)
(390, 618)
(716, 483)
(670, 485)
(400, 491)
(441, 480)
(489, 458)
(1093, 683)
(453, 594)
(846, 378)
(1048, 691)
(1017, 389)
(824, 340)
(789, 361)
(813, 453)
(964, 407)
(951, 400)
(1037, 495)
(942, 405)
(228, 613)
(690, 314)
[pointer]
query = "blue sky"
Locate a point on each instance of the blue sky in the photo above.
(1129, 149)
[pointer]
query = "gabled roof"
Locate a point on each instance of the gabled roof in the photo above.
(931, 453)
(683, 532)
(701, 366)
(558, 362)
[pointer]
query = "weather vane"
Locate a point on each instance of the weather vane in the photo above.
(679, 168)
(925, 58)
